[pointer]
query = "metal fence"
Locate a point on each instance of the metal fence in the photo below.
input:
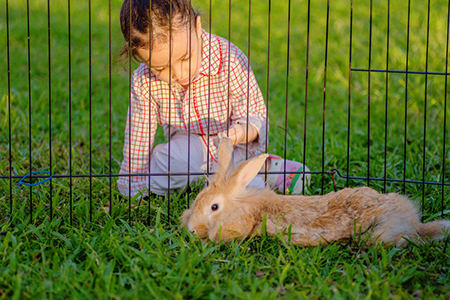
(355, 91)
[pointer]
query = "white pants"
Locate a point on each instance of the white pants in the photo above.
(184, 152)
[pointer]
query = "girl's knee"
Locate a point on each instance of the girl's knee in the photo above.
(163, 156)
(179, 153)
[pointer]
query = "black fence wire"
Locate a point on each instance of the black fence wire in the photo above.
(60, 190)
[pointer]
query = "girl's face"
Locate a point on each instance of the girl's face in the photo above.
(172, 66)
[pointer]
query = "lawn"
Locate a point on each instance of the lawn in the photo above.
(64, 97)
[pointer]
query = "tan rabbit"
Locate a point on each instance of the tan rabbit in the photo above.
(229, 209)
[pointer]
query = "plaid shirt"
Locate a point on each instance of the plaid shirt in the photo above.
(224, 92)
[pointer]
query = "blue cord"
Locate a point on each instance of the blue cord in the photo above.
(39, 182)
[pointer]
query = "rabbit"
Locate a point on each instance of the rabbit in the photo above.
(227, 209)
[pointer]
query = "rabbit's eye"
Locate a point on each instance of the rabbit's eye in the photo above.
(214, 207)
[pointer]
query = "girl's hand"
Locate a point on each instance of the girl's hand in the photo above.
(238, 134)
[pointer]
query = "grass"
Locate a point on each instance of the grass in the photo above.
(119, 260)
(59, 241)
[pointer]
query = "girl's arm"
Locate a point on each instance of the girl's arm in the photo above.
(139, 137)
(247, 101)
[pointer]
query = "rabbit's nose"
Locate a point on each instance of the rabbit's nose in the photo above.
(190, 228)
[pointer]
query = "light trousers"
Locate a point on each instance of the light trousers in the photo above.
(185, 153)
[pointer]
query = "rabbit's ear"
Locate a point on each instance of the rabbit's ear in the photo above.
(225, 159)
(245, 173)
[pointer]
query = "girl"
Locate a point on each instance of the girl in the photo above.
(200, 88)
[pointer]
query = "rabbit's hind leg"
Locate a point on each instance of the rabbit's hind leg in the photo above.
(401, 241)
(308, 240)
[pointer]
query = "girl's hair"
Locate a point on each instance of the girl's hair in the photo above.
(143, 21)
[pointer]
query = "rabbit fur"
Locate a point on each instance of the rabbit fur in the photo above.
(228, 209)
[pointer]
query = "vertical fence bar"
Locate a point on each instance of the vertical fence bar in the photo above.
(188, 187)
(248, 73)
(368, 93)
(29, 108)
(287, 95)
(110, 108)
(325, 96)
(209, 83)
(170, 108)
(445, 112)
(267, 86)
(306, 97)
(209, 89)
(70, 117)
(50, 106)
(425, 108)
(150, 109)
(129, 106)
(9, 109)
(349, 92)
(90, 112)
(405, 141)
(386, 95)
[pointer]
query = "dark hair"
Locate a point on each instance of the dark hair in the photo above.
(138, 17)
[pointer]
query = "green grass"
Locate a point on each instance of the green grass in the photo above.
(137, 248)
(121, 260)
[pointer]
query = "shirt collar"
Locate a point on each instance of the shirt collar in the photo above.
(211, 54)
